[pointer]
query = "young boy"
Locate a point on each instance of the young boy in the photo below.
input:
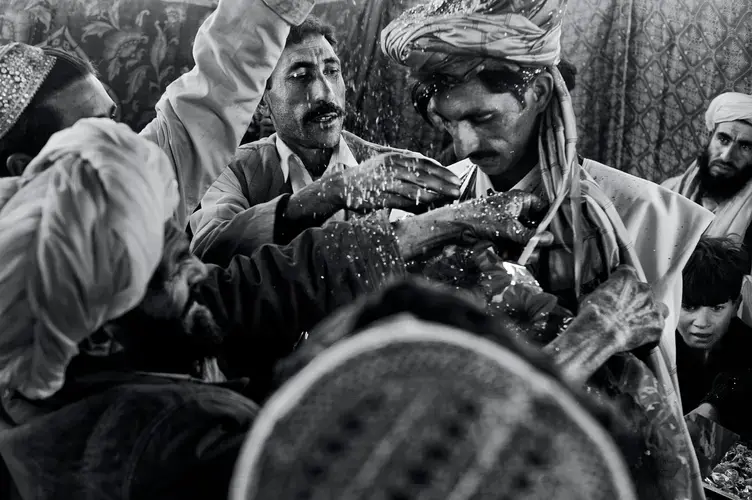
(713, 346)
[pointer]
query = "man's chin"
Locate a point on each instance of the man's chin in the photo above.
(324, 135)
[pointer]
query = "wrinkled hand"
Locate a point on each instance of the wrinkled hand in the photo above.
(625, 309)
(501, 217)
(396, 180)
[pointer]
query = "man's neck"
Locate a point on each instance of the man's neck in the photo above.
(511, 177)
(315, 160)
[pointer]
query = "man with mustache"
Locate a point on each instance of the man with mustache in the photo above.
(719, 178)
(310, 158)
(117, 343)
(488, 73)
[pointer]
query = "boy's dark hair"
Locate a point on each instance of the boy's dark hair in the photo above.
(38, 123)
(715, 272)
(312, 26)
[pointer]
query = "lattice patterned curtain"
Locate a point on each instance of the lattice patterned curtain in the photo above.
(648, 70)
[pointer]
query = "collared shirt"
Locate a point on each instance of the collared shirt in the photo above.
(294, 170)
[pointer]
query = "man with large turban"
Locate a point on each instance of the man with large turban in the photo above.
(110, 330)
(486, 72)
(719, 179)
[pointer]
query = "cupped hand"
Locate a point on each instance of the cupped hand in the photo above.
(396, 180)
(503, 217)
(625, 309)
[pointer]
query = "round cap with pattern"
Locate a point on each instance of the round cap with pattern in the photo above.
(23, 69)
(410, 410)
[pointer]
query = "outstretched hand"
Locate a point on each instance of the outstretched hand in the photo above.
(395, 180)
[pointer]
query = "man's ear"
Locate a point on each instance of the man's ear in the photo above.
(263, 106)
(16, 163)
(542, 91)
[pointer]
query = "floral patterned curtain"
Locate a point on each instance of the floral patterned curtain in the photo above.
(138, 46)
(647, 68)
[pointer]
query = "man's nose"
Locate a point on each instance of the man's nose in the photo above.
(727, 153)
(322, 89)
(702, 318)
(466, 140)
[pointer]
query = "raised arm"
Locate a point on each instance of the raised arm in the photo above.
(203, 115)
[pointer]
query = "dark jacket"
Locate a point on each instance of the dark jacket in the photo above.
(724, 380)
(135, 435)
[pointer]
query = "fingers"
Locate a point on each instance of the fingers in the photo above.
(527, 207)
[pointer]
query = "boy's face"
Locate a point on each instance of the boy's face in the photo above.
(703, 327)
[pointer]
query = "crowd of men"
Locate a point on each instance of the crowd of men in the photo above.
(185, 316)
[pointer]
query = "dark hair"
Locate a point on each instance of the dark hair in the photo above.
(311, 26)
(38, 123)
(496, 81)
(715, 272)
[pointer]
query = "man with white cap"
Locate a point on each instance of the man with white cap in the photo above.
(719, 178)
(112, 330)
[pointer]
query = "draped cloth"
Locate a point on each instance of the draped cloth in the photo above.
(437, 38)
(81, 234)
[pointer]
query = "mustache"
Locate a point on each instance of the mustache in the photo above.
(323, 108)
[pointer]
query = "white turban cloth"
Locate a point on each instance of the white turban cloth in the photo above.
(81, 235)
(450, 36)
(729, 107)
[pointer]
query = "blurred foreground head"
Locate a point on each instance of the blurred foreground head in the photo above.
(397, 407)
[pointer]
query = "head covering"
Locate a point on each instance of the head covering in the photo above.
(413, 409)
(458, 35)
(729, 107)
(79, 241)
(23, 69)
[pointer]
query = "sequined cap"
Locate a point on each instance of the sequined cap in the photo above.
(23, 69)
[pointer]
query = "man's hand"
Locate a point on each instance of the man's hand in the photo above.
(625, 310)
(393, 180)
(500, 218)
(620, 315)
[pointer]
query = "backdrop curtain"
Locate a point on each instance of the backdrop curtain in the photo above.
(647, 69)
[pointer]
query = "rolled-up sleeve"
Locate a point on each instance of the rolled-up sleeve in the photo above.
(203, 115)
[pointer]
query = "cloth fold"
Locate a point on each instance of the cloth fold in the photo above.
(456, 37)
(80, 239)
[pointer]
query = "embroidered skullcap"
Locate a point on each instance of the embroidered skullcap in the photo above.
(408, 409)
(23, 69)
(441, 34)
(79, 241)
(729, 107)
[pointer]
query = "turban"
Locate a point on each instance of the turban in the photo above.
(462, 34)
(79, 240)
(23, 69)
(729, 107)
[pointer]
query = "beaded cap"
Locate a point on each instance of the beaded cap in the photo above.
(23, 69)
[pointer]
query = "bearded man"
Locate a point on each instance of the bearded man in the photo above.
(200, 118)
(719, 178)
(488, 72)
(117, 342)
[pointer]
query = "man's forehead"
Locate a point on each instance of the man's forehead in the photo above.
(738, 129)
(311, 49)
